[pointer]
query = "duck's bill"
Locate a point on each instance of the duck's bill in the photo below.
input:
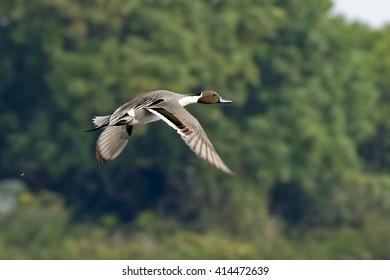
(221, 100)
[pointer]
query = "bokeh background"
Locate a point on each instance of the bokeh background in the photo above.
(308, 132)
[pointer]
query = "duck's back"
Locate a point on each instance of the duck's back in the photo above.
(153, 96)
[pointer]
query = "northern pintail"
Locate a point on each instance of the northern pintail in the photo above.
(153, 106)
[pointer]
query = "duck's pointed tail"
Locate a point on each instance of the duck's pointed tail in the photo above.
(99, 122)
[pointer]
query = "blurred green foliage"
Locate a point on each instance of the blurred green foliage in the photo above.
(41, 229)
(307, 131)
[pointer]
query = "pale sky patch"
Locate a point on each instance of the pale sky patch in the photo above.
(375, 13)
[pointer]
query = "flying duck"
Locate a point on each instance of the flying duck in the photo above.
(153, 106)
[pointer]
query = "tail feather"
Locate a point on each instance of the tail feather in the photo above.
(100, 121)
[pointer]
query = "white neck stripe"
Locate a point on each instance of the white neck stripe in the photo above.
(189, 99)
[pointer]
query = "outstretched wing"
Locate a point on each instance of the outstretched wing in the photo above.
(190, 130)
(112, 141)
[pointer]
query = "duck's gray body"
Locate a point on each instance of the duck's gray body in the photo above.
(153, 106)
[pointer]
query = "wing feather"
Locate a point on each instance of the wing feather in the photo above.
(112, 141)
(191, 132)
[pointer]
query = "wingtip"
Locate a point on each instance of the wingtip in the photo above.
(226, 170)
(100, 159)
(230, 172)
(99, 156)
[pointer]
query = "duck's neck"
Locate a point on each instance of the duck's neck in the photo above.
(188, 99)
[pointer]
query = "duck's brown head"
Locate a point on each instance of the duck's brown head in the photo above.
(211, 97)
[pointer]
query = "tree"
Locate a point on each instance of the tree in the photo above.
(300, 129)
